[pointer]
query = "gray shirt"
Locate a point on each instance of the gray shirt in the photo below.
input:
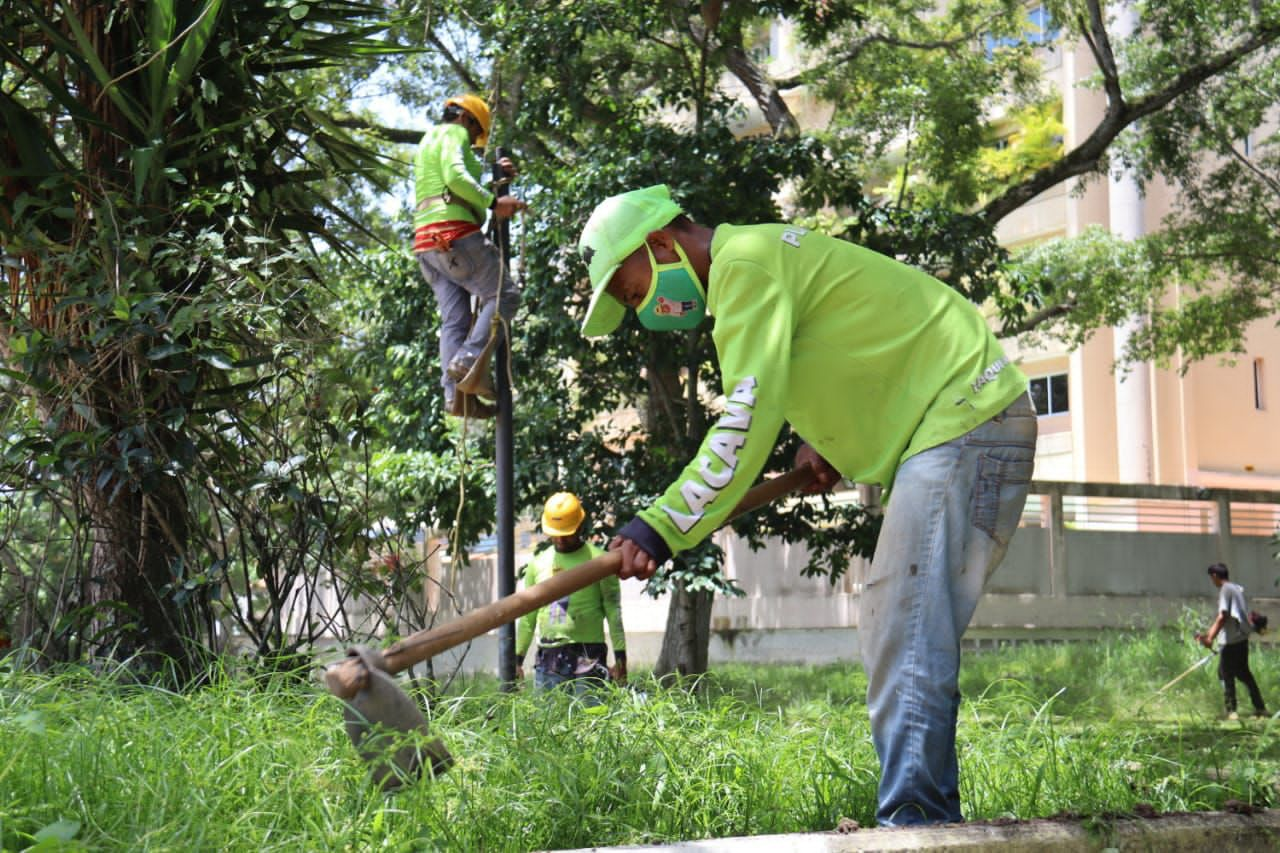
(1235, 624)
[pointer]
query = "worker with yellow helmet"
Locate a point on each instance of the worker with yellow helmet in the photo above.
(571, 631)
(454, 255)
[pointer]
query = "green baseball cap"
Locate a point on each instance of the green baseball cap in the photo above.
(615, 229)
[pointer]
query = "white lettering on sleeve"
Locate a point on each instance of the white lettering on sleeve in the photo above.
(725, 440)
(726, 446)
(734, 417)
(682, 521)
(697, 495)
(714, 480)
(744, 392)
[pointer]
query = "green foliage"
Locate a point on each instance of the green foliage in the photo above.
(1096, 274)
(911, 73)
(1214, 145)
(1035, 142)
(165, 363)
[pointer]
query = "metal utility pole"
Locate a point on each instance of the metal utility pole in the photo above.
(504, 454)
(506, 515)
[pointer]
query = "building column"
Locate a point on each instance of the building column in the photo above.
(1134, 439)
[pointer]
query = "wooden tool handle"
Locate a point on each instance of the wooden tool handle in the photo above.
(347, 677)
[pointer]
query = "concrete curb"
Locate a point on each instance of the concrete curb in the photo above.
(1223, 831)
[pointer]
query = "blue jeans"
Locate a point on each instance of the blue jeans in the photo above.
(950, 515)
(581, 672)
(471, 267)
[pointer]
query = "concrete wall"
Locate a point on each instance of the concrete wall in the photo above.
(1089, 557)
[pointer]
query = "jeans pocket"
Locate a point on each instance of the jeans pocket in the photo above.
(998, 495)
(460, 260)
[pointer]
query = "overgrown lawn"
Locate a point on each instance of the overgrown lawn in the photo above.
(250, 765)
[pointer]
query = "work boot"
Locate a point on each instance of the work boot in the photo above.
(1232, 715)
(471, 372)
(476, 380)
(466, 406)
(459, 366)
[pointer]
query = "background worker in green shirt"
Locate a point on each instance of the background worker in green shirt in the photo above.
(454, 255)
(571, 643)
(890, 377)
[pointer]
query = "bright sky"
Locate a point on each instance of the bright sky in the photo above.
(374, 95)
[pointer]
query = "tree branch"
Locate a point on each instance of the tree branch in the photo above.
(1034, 321)
(1095, 35)
(464, 73)
(1086, 156)
(762, 87)
(859, 45)
(1267, 181)
(391, 134)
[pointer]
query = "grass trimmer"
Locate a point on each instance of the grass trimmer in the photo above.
(1188, 671)
(378, 712)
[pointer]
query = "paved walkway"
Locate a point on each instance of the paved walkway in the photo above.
(1182, 833)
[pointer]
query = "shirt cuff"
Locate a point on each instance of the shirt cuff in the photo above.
(639, 532)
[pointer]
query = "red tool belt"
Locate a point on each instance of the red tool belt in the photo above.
(440, 236)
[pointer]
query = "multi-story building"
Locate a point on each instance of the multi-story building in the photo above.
(1211, 423)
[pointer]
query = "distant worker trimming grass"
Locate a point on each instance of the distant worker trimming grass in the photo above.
(891, 377)
(1233, 623)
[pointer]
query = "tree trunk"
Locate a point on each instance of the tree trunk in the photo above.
(136, 561)
(675, 418)
(688, 634)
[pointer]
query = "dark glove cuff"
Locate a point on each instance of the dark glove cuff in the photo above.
(619, 657)
(639, 532)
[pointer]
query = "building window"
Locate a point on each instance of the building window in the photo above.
(1258, 402)
(1040, 31)
(1049, 393)
(1043, 30)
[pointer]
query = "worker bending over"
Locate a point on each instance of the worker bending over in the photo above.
(891, 377)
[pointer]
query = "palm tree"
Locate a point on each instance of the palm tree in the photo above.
(163, 187)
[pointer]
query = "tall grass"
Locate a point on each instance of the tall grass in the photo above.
(251, 765)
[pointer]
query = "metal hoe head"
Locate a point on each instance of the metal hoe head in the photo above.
(381, 719)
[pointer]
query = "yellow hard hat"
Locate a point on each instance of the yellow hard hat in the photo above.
(479, 111)
(562, 515)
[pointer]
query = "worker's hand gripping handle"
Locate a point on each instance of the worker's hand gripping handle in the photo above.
(347, 677)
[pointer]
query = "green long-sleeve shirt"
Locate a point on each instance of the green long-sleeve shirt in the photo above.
(870, 360)
(581, 617)
(445, 161)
